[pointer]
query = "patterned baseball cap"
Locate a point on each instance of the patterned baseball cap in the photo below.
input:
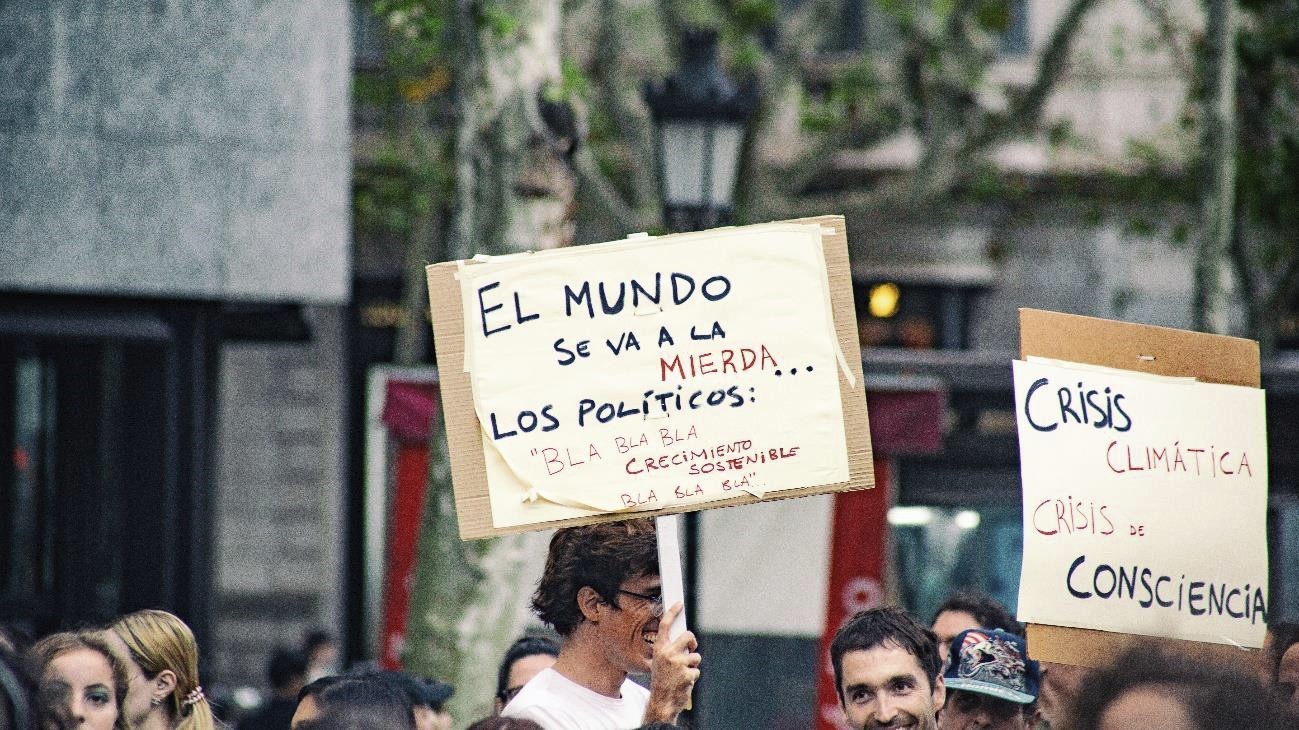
(993, 662)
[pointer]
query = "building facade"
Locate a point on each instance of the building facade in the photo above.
(174, 269)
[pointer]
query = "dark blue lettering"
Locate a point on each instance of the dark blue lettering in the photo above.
(715, 296)
(677, 296)
(583, 293)
(483, 309)
(1068, 579)
(1194, 596)
(1028, 413)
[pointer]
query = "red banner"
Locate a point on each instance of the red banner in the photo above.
(403, 536)
(408, 411)
(857, 559)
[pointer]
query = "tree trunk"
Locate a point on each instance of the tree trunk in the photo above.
(514, 191)
(1218, 176)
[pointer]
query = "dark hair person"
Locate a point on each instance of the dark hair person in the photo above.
(82, 683)
(17, 693)
(354, 703)
(886, 670)
(601, 556)
(526, 656)
(1147, 686)
(968, 609)
(509, 723)
(1280, 657)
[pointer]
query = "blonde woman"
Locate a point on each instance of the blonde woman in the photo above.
(161, 658)
(82, 684)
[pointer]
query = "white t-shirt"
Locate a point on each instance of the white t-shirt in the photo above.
(557, 703)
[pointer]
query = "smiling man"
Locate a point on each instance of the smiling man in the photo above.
(886, 669)
(601, 592)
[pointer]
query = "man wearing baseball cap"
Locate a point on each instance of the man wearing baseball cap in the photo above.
(991, 682)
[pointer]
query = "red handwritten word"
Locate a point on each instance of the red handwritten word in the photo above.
(1124, 458)
(665, 461)
(762, 457)
(1071, 516)
(722, 361)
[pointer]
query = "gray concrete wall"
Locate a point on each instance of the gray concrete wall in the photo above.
(177, 148)
(280, 473)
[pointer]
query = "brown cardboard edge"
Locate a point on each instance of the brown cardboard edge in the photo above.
(1140, 347)
(1148, 349)
(468, 468)
(1096, 649)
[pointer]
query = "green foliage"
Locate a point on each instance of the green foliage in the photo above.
(752, 16)
(855, 103)
(417, 31)
(994, 15)
(573, 85)
(498, 21)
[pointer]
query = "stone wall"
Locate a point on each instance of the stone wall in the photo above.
(176, 148)
(281, 483)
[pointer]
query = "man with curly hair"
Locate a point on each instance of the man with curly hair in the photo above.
(601, 592)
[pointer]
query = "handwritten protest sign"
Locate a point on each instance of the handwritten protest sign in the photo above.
(651, 374)
(1145, 501)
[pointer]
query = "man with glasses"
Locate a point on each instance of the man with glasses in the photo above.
(991, 683)
(601, 592)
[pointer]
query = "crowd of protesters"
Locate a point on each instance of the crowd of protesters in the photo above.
(615, 667)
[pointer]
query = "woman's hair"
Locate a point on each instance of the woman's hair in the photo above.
(53, 710)
(159, 641)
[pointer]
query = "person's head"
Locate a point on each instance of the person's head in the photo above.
(1281, 662)
(601, 590)
(1060, 683)
(1150, 687)
(307, 705)
(82, 683)
(427, 697)
(287, 672)
(321, 653)
(887, 671)
(161, 657)
(17, 693)
(497, 722)
(364, 702)
(991, 682)
(525, 659)
(969, 609)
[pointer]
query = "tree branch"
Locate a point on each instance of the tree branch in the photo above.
(1159, 14)
(1026, 111)
(604, 194)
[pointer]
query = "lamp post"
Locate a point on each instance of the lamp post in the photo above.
(699, 117)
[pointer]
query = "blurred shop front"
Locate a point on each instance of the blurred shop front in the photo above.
(105, 417)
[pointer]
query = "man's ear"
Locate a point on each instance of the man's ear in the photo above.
(940, 693)
(590, 602)
(163, 684)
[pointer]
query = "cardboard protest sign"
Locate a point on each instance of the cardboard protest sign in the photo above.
(1144, 463)
(652, 374)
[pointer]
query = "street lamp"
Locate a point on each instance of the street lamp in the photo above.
(699, 116)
